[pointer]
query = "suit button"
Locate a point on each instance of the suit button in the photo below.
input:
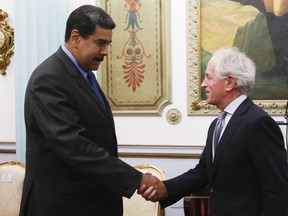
(211, 190)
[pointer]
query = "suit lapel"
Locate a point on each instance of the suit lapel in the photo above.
(229, 132)
(209, 156)
(82, 82)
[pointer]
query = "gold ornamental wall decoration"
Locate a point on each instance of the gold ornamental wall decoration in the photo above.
(6, 42)
(173, 116)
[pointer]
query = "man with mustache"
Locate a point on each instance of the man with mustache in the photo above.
(71, 157)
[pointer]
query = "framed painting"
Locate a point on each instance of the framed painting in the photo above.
(255, 29)
(135, 75)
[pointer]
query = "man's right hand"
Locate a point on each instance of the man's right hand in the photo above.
(151, 188)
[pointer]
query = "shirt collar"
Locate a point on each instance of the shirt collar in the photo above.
(235, 104)
(73, 59)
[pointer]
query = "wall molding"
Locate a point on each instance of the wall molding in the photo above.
(7, 147)
(159, 151)
(137, 150)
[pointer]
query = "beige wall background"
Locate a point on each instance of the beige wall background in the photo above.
(142, 139)
(131, 130)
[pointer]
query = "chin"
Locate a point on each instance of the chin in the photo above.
(210, 102)
(94, 68)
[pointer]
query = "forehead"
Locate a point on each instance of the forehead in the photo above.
(102, 34)
(211, 66)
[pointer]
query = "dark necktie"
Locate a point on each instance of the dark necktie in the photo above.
(218, 128)
(93, 84)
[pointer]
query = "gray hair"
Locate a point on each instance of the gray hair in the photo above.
(230, 61)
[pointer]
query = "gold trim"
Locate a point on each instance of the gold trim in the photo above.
(7, 151)
(134, 155)
(6, 42)
(139, 154)
(158, 155)
(13, 162)
(150, 167)
(5, 142)
(159, 145)
(196, 105)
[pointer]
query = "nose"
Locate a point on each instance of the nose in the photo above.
(104, 50)
(203, 84)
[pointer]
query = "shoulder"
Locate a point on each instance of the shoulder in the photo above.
(49, 73)
(249, 108)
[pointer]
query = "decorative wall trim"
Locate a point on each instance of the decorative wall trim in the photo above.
(159, 151)
(137, 150)
(136, 74)
(7, 147)
(174, 116)
(6, 42)
(8, 151)
(158, 155)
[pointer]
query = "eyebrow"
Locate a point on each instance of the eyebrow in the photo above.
(103, 41)
(207, 74)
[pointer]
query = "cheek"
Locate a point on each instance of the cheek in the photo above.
(214, 92)
(88, 48)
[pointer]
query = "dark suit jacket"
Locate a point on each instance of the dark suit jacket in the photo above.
(249, 176)
(71, 155)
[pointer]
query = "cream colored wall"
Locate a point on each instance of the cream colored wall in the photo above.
(145, 132)
(141, 130)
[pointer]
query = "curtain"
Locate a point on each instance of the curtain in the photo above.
(39, 31)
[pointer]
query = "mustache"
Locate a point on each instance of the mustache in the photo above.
(98, 59)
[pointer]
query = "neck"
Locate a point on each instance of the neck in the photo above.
(228, 99)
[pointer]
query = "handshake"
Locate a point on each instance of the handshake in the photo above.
(151, 188)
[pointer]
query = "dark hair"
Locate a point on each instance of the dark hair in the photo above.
(85, 19)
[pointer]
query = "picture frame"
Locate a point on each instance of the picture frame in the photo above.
(135, 76)
(197, 104)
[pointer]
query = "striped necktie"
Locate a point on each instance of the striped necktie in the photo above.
(218, 128)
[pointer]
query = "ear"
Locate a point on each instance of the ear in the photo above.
(75, 38)
(230, 83)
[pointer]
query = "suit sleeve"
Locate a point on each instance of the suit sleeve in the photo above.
(269, 158)
(185, 184)
(53, 114)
